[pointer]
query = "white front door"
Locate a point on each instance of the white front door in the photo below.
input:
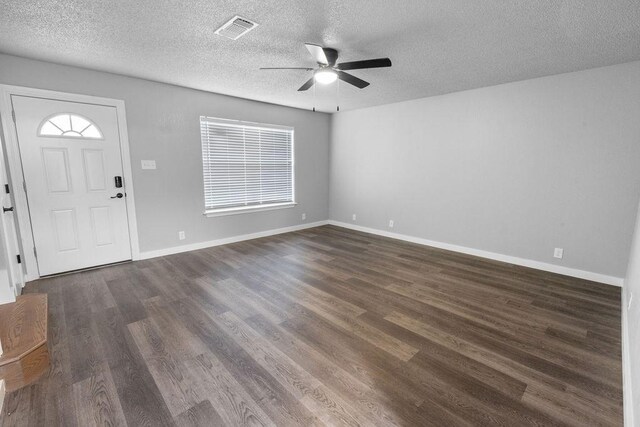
(73, 173)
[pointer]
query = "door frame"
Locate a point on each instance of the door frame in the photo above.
(16, 171)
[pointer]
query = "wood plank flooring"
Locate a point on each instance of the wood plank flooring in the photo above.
(325, 326)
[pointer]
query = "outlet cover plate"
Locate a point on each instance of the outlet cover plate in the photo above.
(148, 164)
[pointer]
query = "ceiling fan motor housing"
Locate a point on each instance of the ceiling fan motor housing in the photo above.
(332, 56)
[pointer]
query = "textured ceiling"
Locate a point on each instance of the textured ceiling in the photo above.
(437, 46)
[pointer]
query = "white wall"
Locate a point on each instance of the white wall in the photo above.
(163, 124)
(631, 329)
(516, 169)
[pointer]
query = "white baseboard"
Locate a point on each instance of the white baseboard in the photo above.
(3, 392)
(227, 240)
(626, 367)
(581, 274)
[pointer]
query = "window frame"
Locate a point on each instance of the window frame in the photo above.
(236, 210)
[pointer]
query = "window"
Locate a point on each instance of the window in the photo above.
(69, 125)
(247, 166)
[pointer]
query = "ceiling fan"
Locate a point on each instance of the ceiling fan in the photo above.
(328, 71)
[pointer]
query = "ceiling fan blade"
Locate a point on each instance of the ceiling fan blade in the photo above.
(367, 63)
(307, 84)
(287, 68)
(357, 82)
(331, 54)
(318, 53)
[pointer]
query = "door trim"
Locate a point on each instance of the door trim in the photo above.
(16, 172)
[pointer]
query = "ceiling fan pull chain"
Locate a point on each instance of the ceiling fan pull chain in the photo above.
(338, 95)
(314, 98)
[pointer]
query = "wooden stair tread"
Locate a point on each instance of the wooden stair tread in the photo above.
(23, 326)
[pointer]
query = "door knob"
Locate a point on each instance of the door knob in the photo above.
(7, 209)
(117, 196)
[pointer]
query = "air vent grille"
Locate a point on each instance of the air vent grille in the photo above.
(236, 28)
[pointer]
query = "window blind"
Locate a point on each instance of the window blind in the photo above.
(245, 164)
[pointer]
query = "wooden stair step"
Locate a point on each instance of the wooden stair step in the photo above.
(23, 333)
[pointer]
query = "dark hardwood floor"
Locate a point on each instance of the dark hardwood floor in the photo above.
(325, 326)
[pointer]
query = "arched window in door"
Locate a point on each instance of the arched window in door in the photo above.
(69, 125)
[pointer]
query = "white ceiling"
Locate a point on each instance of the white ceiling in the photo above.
(437, 46)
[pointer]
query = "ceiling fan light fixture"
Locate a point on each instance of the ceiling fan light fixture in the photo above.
(325, 76)
(330, 70)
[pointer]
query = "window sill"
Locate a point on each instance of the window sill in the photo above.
(243, 210)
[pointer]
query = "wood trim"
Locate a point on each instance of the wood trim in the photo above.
(23, 326)
(23, 329)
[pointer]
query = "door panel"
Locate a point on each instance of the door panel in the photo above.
(65, 227)
(94, 173)
(101, 224)
(70, 153)
(55, 162)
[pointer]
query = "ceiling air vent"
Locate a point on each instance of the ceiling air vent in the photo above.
(236, 28)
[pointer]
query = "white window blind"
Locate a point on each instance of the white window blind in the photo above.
(246, 165)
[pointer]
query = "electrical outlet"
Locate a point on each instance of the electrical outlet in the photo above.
(390, 223)
(148, 164)
(304, 216)
(353, 217)
(181, 235)
(558, 253)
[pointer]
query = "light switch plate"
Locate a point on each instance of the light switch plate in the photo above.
(148, 164)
